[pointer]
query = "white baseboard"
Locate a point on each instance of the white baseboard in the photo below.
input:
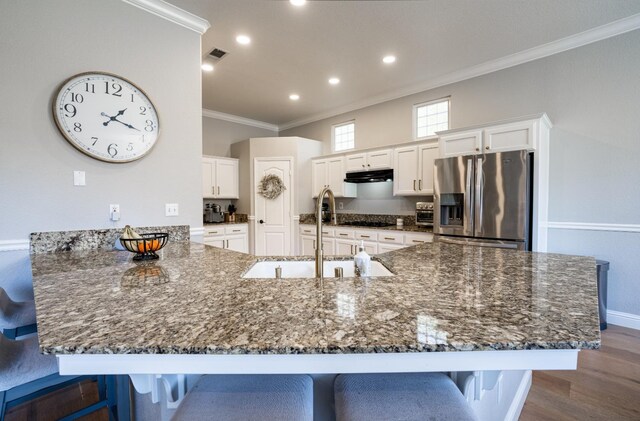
(12, 245)
(520, 398)
(619, 318)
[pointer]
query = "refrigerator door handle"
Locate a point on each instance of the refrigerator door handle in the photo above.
(478, 197)
(468, 207)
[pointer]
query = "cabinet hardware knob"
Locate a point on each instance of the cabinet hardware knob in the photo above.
(218, 190)
(420, 185)
(368, 165)
(486, 147)
(261, 221)
(477, 149)
(414, 185)
(389, 238)
(365, 236)
(213, 190)
(362, 165)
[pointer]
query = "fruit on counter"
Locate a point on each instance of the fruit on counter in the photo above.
(150, 245)
(129, 233)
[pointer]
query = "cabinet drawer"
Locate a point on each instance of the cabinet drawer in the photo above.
(345, 233)
(383, 248)
(367, 235)
(307, 230)
(211, 231)
(236, 229)
(414, 239)
(328, 232)
(390, 237)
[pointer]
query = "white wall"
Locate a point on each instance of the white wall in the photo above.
(42, 44)
(592, 95)
(218, 135)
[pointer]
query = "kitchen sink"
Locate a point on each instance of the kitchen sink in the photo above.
(306, 269)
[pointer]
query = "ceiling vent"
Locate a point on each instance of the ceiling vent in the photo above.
(216, 55)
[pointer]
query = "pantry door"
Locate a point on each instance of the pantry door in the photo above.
(273, 217)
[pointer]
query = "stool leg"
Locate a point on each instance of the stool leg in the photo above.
(10, 333)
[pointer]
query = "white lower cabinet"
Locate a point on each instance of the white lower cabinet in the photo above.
(230, 237)
(345, 241)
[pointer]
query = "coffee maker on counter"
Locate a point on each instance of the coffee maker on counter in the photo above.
(213, 213)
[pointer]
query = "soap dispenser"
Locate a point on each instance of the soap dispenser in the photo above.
(362, 261)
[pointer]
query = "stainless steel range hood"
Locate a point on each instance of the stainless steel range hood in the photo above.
(369, 176)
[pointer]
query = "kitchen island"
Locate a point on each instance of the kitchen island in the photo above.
(448, 308)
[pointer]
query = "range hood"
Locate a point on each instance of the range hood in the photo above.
(369, 176)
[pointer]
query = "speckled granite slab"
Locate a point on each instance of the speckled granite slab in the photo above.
(345, 218)
(444, 297)
(43, 242)
(404, 228)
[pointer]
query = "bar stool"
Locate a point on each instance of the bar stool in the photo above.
(399, 396)
(248, 397)
(25, 374)
(16, 318)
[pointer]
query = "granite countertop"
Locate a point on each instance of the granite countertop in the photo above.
(405, 228)
(444, 297)
(217, 224)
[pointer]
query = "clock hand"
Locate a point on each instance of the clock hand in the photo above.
(125, 124)
(121, 112)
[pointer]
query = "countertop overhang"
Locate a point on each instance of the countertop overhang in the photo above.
(193, 300)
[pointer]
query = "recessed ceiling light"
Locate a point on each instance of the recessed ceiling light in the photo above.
(298, 2)
(334, 81)
(294, 97)
(207, 67)
(243, 39)
(389, 59)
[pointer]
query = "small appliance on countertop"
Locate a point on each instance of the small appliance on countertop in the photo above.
(213, 213)
(424, 214)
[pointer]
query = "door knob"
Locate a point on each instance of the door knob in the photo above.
(261, 221)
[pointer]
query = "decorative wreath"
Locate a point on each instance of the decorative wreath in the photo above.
(271, 186)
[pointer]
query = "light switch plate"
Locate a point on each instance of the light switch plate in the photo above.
(79, 178)
(171, 209)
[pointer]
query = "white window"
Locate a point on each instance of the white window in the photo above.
(344, 136)
(430, 117)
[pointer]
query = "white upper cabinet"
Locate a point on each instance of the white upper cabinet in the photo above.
(501, 137)
(375, 160)
(220, 178)
(330, 172)
(413, 169)
(405, 171)
(427, 154)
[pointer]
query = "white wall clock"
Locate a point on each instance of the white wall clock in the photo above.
(106, 116)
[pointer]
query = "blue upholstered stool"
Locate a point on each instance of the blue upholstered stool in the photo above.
(402, 396)
(248, 397)
(16, 318)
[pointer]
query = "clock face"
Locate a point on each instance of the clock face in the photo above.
(106, 117)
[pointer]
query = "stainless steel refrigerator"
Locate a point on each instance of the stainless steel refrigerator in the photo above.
(484, 200)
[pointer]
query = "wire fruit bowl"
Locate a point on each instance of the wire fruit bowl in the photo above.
(145, 247)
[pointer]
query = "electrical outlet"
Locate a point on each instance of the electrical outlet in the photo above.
(171, 209)
(114, 212)
(340, 205)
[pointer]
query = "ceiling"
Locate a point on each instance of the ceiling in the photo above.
(296, 49)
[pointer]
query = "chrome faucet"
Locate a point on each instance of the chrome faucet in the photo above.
(332, 211)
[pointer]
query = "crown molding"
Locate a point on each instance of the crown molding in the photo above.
(173, 14)
(240, 120)
(590, 36)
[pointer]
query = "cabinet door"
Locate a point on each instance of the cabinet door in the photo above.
(418, 238)
(238, 243)
(405, 171)
(356, 162)
(214, 241)
(427, 154)
(328, 246)
(509, 137)
(345, 247)
(383, 248)
(307, 245)
(226, 179)
(335, 178)
(462, 143)
(208, 168)
(318, 176)
(378, 160)
(370, 247)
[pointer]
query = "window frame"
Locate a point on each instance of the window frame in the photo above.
(333, 135)
(415, 117)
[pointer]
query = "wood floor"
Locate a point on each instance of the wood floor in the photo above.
(606, 385)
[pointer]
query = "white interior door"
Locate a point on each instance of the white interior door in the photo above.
(273, 216)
